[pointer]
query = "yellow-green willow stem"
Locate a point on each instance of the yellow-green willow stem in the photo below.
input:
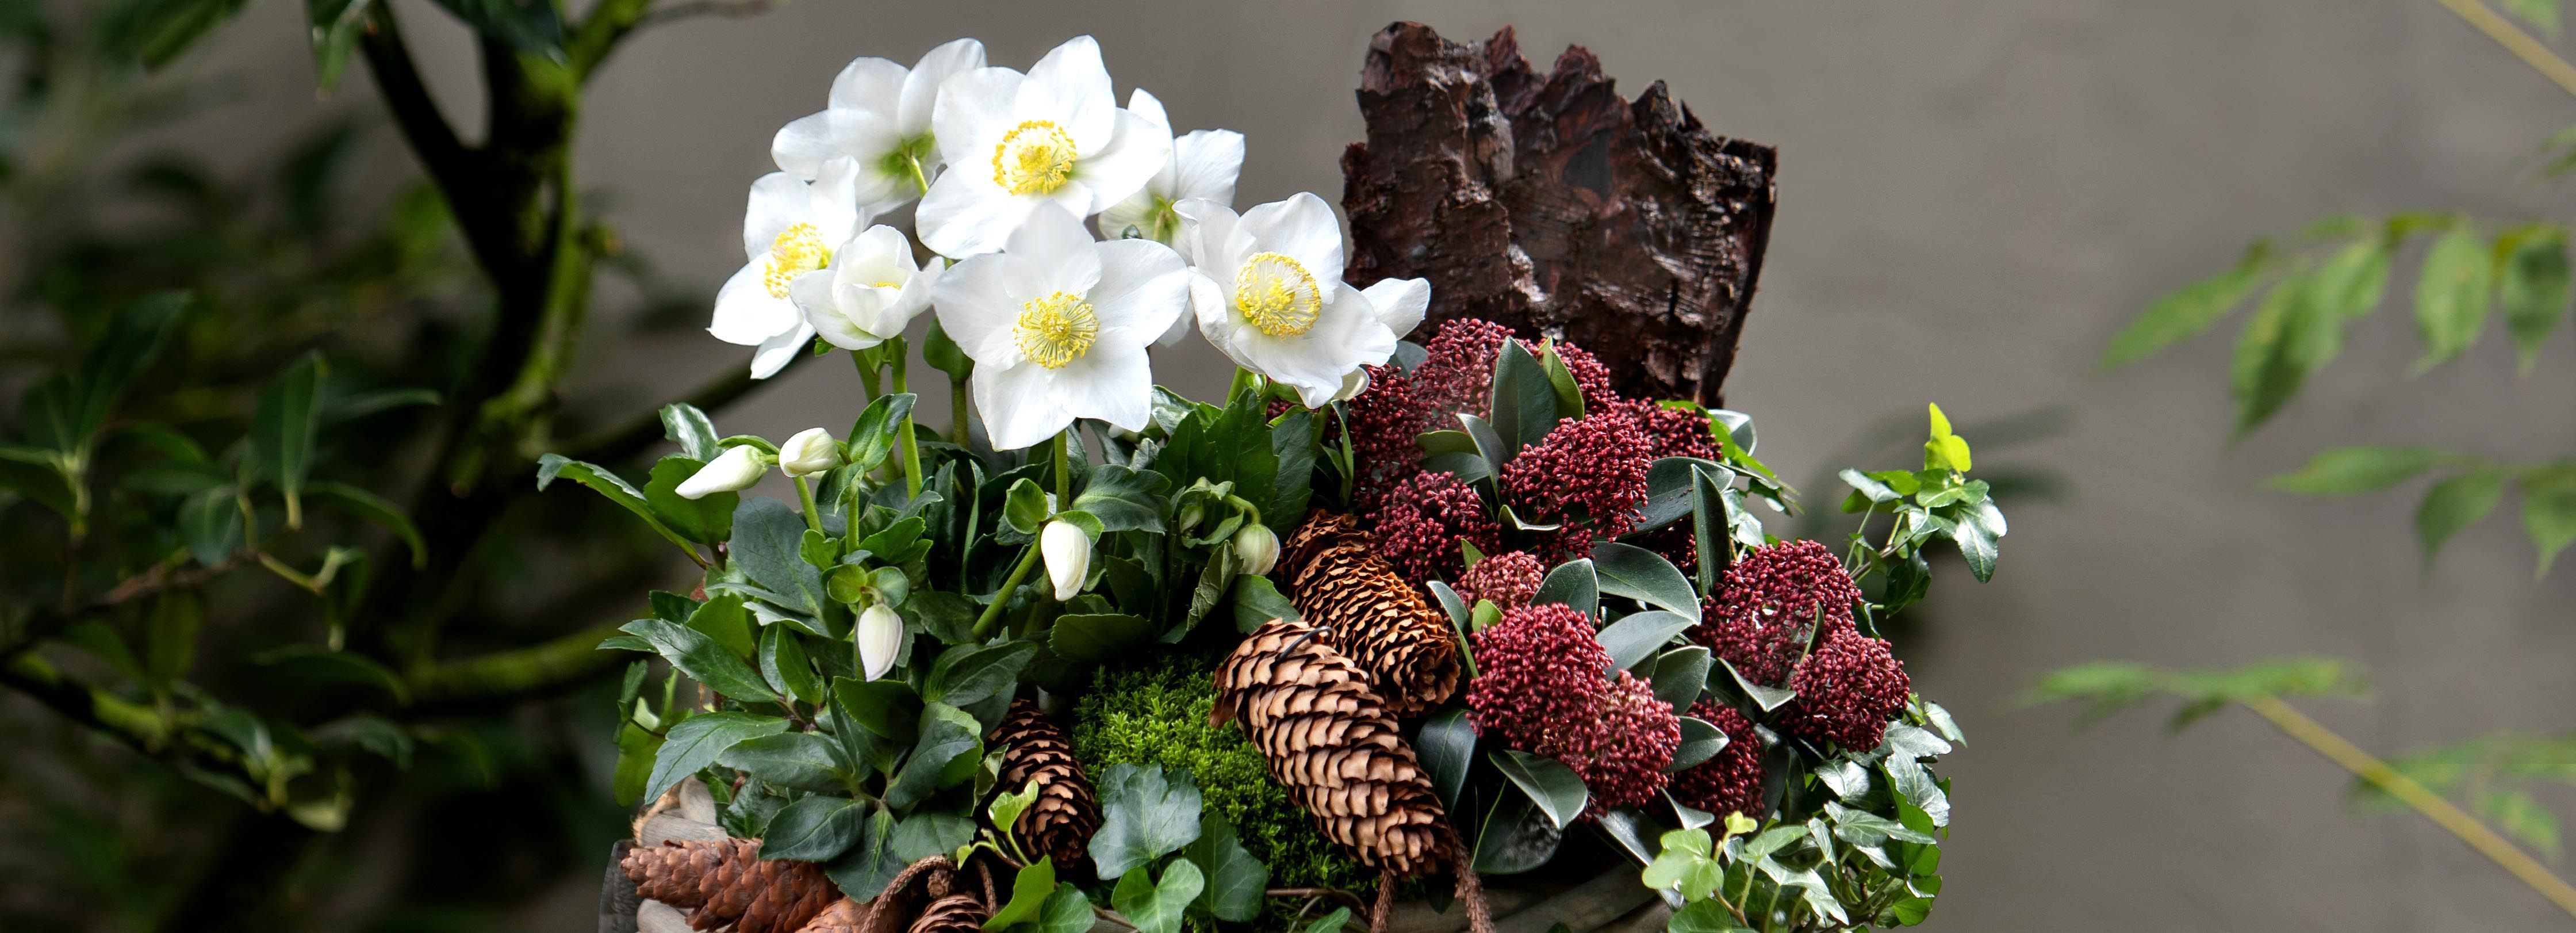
(2476, 834)
(2516, 41)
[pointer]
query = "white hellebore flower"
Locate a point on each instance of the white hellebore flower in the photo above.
(732, 471)
(871, 293)
(880, 633)
(1057, 326)
(811, 451)
(1258, 548)
(1204, 165)
(788, 231)
(1014, 142)
(879, 118)
(1068, 557)
(1268, 291)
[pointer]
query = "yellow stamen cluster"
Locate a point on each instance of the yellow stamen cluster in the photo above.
(1035, 157)
(1056, 329)
(797, 250)
(1276, 295)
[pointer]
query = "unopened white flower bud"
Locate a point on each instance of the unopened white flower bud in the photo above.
(732, 471)
(880, 633)
(1068, 557)
(1258, 548)
(811, 451)
(1190, 516)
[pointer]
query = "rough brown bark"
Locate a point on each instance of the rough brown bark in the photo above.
(1547, 203)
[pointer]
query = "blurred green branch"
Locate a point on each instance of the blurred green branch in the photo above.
(2516, 41)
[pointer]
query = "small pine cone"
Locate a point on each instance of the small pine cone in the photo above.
(725, 881)
(1060, 822)
(841, 916)
(957, 913)
(1329, 740)
(1370, 614)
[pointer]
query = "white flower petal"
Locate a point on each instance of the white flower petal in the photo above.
(1121, 168)
(834, 202)
(1018, 405)
(1205, 164)
(1208, 230)
(1302, 228)
(1400, 303)
(1056, 244)
(801, 146)
(870, 84)
(1180, 328)
(979, 304)
(973, 112)
(1114, 382)
(1071, 87)
(778, 201)
(1136, 211)
(1209, 308)
(775, 353)
(746, 313)
(878, 254)
(921, 88)
(965, 214)
(1149, 107)
(1143, 287)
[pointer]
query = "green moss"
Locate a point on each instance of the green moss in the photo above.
(1159, 715)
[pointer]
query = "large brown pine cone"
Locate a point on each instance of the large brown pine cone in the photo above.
(1060, 822)
(1329, 740)
(841, 916)
(957, 913)
(1370, 613)
(724, 881)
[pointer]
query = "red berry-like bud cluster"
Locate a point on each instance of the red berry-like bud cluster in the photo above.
(1424, 519)
(1674, 432)
(1510, 579)
(1773, 601)
(1731, 780)
(1455, 375)
(1588, 475)
(1848, 689)
(1633, 736)
(1538, 679)
(1590, 377)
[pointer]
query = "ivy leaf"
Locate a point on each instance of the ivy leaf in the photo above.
(2344, 471)
(1548, 782)
(1158, 906)
(703, 659)
(1643, 575)
(2452, 295)
(1685, 864)
(695, 743)
(2533, 284)
(1030, 891)
(1235, 880)
(1977, 545)
(2549, 512)
(2189, 310)
(815, 829)
(2454, 504)
(1144, 815)
(1068, 910)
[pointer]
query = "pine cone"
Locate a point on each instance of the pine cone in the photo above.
(841, 916)
(1329, 740)
(724, 881)
(957, 913)
(1371, 614)
(1060, 822)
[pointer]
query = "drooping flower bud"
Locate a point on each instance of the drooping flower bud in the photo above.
(1258, 548)
(732, 471)
(1068, 557)
(880, 632)
(811, 451)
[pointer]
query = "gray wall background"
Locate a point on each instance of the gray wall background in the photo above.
(1974, 197)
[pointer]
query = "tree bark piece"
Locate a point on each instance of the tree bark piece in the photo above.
(1547, 203)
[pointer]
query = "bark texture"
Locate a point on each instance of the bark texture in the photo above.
(1547, 203)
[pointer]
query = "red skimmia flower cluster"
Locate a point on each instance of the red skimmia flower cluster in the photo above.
(1456, 376)
(1539, 688)
(1510, 579)
(1848, 689)
(1731, 780)
(1423, 521)
(1588, 475)
(1772, 602)
(1622, 758)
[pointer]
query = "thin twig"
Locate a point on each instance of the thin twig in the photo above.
(2514, 40)
(725, 8)
(2336, 749)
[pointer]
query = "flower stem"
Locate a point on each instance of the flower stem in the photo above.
(957, 412)
(2336, 749)
(1243, 379)
(911, 452)
(1063, 475)
(805, 495)
(1019, 574)
(918, 178)
(866, 363)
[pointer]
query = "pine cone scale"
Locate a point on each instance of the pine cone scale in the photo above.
(1370, 614)
(1059, 823)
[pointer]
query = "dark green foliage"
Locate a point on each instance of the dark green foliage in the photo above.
(1158, 714)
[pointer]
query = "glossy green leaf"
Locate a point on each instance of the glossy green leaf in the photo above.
(815, 829)
(211, 524)
(1701, 741)
(1681, 675)
(1447, 748)
(1643, 575)
(865, 870)
(1091, 638)
(1144, 815)
(553, 466)
(2344, 471)
(704, 659)
(1548, 782)
(874, 435)
(796, 760)
(1572, 583)
(1024, 507)
(689, 427)
(1523, 402)
(1638, 636)
(2452, 295)
(1514, 836)
(1068, 910)
(707, 519)
(2454, 504)
(2533, 285)
(1256, 600)
(946, 754)
(1123, 499)
(697, 741)
(723, 619)
(282, 431)
(784, 666)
